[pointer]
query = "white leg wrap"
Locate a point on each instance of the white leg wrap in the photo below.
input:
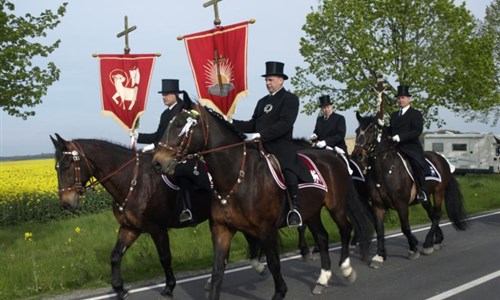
(257, 265)
(324, 277)
(378, 258)
(346, 268)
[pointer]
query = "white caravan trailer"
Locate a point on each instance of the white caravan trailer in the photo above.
(468, 152)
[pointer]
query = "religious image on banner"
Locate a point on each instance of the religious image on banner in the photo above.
(218, 59)
(125, 82)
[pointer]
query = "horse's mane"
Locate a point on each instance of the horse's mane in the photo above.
(226, 124)
(113, 147)
(302, 142)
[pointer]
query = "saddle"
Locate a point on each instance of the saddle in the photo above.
(433, 175)
(274, 167)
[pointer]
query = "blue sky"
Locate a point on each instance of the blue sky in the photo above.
(72, 107)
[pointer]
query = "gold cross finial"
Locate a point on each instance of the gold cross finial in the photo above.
(216, 10)
(125, 33)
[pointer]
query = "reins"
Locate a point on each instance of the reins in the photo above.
(78, 185)
(183, 155)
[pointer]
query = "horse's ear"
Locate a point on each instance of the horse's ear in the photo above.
(187, 102)
(358, 116)
(59, 142)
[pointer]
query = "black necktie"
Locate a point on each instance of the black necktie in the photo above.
(400, 112)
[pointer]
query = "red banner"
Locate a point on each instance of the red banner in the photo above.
(218, 59)
(124, 85)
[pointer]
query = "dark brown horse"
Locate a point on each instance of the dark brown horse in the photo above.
(142, 202)
(391, 187)
(249, 200)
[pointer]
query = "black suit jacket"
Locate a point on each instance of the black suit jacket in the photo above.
(166, 117)
(409, 127)
(331, 130)
(273, 118)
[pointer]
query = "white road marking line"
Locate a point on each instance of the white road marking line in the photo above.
(465, 286)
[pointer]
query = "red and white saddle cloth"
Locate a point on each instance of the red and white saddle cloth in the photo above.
(319, 182)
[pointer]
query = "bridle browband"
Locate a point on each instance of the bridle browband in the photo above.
(80, 187)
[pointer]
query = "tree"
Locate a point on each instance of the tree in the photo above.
(24, 83)
(433, 46)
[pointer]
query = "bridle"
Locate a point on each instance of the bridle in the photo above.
(182, 149)
(78, 185)
(81, 187)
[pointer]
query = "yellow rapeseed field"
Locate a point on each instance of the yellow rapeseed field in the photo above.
(19, 178)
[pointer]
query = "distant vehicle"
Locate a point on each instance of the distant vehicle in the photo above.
(468, 152)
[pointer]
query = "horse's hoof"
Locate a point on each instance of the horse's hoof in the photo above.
(314, 256)
(352, 277)
(122, 295)
(438, 247)
(428, 251)
(208, 284)
(319, 289)
(166, 294)
(377, 262)
(165, 297)
(413, 255)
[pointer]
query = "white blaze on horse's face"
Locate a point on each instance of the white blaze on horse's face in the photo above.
(379, 137)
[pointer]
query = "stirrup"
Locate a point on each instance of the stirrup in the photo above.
(421, 199)
(185, 216)
(292, 211)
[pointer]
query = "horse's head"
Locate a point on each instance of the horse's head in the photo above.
(366, 137)
(73, 171)
(185, 136)
(195, 131)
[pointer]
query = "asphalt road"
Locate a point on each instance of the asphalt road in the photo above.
(467, 267)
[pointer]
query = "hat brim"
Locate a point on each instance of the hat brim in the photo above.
(407, 95)
(280, 75)
(169, 92)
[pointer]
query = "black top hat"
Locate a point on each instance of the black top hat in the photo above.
(275, 68)
(325, 100)
(403, 90)
(170, 86)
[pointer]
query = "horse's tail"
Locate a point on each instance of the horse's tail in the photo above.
(454, 202)
(361, 219)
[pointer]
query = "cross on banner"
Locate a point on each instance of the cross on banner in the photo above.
(217, 21)
(125, 33)
(216, 61)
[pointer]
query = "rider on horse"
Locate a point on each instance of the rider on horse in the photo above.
(272, 122)
(190, 173)
(330, 127)
(406, 126)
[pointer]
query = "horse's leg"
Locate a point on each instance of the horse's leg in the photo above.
(254, 247)
(304, 249)
(345, 228)
(271, 248)
(434, 214)
(403, 214)
(162, 244)
(321, 240)
(378, 259)
(221, 241)
(126, 237)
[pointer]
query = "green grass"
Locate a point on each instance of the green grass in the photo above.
(70, 254)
